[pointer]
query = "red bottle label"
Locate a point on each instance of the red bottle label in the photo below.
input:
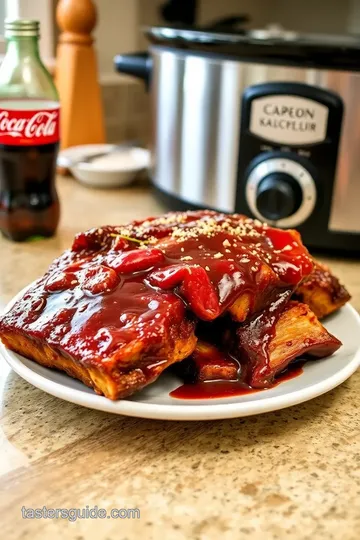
(29, 127)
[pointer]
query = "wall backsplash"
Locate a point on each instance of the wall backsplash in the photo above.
(126, 109)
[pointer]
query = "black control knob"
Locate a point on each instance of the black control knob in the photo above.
(278, 196)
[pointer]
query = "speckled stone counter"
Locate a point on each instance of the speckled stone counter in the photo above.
(291, 474)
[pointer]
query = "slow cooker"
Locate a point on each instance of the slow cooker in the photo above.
(258, 123)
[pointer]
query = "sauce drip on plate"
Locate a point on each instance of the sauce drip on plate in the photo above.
(225, 389)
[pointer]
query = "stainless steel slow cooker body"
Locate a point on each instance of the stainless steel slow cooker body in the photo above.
(197, 106)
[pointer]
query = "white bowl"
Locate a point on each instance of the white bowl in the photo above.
(118, 168)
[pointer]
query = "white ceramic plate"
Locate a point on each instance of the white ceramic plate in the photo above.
(154, 401)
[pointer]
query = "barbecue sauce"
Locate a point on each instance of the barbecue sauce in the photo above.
(122, 285)
(226, 389)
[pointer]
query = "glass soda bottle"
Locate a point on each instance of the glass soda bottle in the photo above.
(29, 137)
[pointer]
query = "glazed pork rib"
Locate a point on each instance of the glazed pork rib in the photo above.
(235, 264)
(265, 345)
(322, 291)
(122, 305)
(296, 333)
(115, 339)
(208, 362)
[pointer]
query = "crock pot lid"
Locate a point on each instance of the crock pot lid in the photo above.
(336, 51)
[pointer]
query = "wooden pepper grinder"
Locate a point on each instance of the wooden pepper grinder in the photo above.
(82, 118)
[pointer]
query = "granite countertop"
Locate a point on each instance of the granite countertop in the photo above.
(290, 474)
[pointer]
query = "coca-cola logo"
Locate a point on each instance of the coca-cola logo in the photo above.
(27, 127)
(41, 124)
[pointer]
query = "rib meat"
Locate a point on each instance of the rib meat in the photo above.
(122, 304)
(266, 344)
(296, 333)
(322, 291)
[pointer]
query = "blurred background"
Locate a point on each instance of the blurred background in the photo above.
(119, 29)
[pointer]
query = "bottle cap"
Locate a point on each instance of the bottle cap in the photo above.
(21, 28)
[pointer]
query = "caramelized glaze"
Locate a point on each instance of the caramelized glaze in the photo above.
(122, 284)
(225, 389)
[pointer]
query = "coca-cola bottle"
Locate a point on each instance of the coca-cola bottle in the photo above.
(29, 137)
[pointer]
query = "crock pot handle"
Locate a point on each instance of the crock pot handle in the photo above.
(136, 64)
(227, 24)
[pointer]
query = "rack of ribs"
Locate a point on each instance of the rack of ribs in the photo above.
(124, 303)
